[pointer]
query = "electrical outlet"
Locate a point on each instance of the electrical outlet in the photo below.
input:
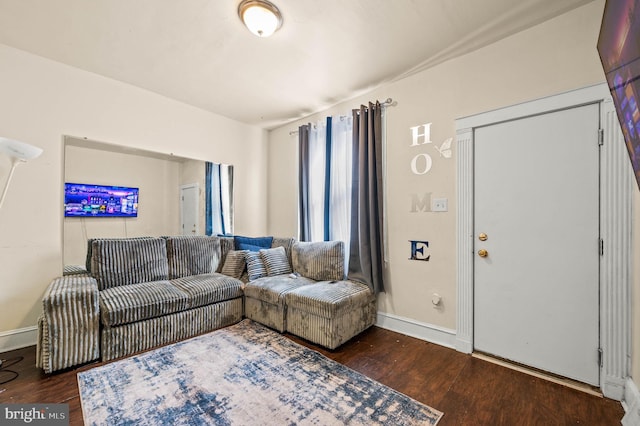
(439, 205)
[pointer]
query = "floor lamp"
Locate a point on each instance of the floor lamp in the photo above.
(18, 152)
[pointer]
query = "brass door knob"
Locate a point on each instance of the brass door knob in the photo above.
(482, 236)
(483, 253)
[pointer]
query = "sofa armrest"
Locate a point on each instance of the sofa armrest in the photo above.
(69, 327)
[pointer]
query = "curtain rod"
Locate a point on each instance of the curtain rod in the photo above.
(386, 103)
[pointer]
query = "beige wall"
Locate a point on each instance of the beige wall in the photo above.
(44, 100)
(556, 56)
(157, 179)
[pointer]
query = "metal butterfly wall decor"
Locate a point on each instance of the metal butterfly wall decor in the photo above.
(445, 149)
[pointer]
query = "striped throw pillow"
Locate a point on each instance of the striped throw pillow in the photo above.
(234, 263)
(255, 266)
(276, 261)
(226, 245)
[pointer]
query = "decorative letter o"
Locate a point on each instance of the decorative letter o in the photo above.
(427, 165)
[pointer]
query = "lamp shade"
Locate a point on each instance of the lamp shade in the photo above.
(261, 17)
(19, 150)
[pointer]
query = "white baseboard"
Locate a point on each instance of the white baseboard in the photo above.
(19, 338)
(631, 404)
(463, 345)
(613, 387)
(429, 332)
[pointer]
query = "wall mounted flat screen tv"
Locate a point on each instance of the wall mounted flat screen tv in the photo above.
(619, 49)
(83, 200)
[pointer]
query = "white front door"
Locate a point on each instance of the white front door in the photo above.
(536, 292)
(189, 209)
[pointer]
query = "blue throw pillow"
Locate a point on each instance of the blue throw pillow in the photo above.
(251, 243)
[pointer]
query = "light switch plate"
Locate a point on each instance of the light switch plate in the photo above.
(439, 205)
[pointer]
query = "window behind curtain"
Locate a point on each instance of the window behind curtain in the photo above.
(328, 169)
(346, 194)
(219, 198)
(340, 180)
(317, 165)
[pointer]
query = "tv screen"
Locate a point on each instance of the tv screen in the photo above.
(619, 49)
(83, 200)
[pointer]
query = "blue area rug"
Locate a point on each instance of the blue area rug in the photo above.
(245, 374)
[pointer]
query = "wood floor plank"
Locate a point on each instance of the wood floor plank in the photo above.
(470, 391)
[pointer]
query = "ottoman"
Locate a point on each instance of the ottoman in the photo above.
(264, 299)
(329, 313)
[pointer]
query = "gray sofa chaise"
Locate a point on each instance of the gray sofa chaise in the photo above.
(140, 293)
(314, 302)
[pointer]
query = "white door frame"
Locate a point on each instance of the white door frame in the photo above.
(616, 184)
(197, 205)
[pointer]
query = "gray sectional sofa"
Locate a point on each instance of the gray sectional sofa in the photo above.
(139, 293)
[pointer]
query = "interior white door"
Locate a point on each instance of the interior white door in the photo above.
(536, 293)
(189, 209)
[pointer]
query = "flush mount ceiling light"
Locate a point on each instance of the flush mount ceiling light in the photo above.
(260, 16)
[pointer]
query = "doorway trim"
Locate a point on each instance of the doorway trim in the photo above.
(615, 228)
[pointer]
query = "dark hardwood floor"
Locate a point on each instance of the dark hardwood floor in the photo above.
(469, 391)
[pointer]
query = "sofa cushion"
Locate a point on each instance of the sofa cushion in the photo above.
(252, 243)
(90, 247)
(272, 289)
(255, 266)
(205, 289)
(234, 263)
(320, 261)
(192, 255)
(137, 302)
(117, 262)
(276, 261)
(330, 299)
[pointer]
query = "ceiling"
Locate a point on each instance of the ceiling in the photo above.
(327, 51)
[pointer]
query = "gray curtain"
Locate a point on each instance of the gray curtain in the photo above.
(304, 232)
(366, 255)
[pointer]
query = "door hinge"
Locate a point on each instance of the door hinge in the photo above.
(600, 358)
(600, 137)
(601, 247)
